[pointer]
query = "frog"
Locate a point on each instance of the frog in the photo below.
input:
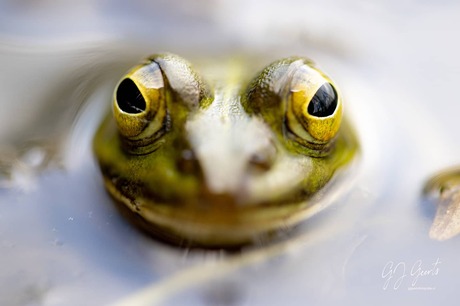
(226, 154)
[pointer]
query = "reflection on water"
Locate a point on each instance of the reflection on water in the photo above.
(62, 241)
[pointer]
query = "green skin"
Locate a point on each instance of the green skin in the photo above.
(225, 170)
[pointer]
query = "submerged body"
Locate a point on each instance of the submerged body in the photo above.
(226, 161)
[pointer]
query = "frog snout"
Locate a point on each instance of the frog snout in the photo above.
(226, 173)
(258, 162)
(231, 149)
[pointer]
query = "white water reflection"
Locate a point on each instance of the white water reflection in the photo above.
(63, 243)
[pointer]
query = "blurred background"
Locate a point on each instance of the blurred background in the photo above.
(63, 243)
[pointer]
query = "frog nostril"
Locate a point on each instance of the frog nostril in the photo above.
(260, 162)
(187, 162)
(263, 161)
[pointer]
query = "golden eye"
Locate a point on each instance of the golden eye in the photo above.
(139, 103)
(314, 107)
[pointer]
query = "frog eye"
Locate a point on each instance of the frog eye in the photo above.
(314, 107)
(138, 104)
(155, 98)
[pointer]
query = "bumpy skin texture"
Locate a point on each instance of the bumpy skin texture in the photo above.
(223, 164)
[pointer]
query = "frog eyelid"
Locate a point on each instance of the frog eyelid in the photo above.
(182, 79)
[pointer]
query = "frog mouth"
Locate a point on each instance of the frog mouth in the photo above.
(224, 225)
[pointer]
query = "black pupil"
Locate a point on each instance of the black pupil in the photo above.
(324, 102)
(129, 98)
